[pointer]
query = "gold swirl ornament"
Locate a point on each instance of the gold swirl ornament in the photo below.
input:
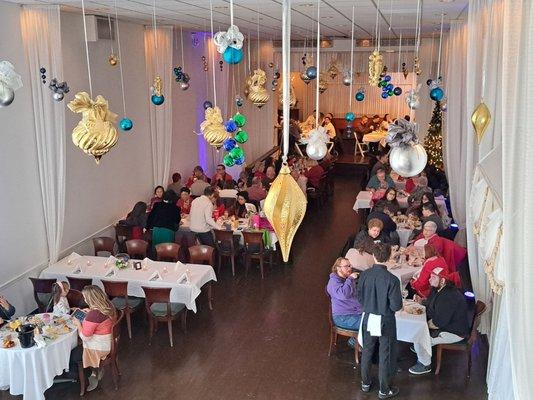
(255, 88)
(480, 120)
(375, 67)
(213, 127)
(95, 134)
(323, 82)
(285, 207)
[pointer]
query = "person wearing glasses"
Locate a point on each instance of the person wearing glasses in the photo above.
(221, 176)
(345, 308)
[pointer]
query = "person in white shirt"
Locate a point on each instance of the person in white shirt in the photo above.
(327, 124)
(201, 217)
(59, 294)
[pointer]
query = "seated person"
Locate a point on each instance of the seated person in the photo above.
(176, 184)
(391, 201)
(198, 187)
(422, 188)
(164, 220)
(240, 206)
(380, 182)
(257, 192)
(382, 162)
(429, 213)
(136, 219)
(158, 197)
(450, 251)
(446, 311)
(6, 310)
(420, 284)
(345, 308)
(362, 258)
(362, 127)
(219, 206)
(314, 173)
(380, 212)
(184, 202)
(374, 233)
(59, 295)
(197, 173)
(328, 125)
(270, 175)
(221, 175)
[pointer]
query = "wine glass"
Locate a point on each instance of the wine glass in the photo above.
(405, 293)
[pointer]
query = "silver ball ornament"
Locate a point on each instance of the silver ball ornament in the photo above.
(316, 150)
(7, 95)
(58, 96)
(184, 86)
(408, 161)
(347, 80)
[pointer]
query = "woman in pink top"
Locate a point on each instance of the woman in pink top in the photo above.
(96, 331)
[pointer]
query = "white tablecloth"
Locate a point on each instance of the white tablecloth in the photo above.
(181, 292)
(363, 200)
(404, 235)
(413, 328)
(29, 372)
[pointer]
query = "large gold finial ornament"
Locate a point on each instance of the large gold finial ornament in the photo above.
(480, 120)
(255, 88)
(292, 95)
(95, 134)
(285, 207)
(375, 67)
(213, 127)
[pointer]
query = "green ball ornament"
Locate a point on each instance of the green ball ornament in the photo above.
(236, 153)
(228, 160)
(241, 137)
(239, 119)
(390, 92)
(382, 84)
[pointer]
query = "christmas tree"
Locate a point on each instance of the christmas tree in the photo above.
(433, 140)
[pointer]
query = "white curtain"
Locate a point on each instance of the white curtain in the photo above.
(41, 33)
(158, 56)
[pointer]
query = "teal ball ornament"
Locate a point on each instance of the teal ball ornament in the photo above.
(359, 96)
(350, 116)
(311, 72)
(126, 124)
(436, 94)
(158, 100)
(232, 55)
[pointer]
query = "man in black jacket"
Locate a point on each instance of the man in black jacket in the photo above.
(379, 294)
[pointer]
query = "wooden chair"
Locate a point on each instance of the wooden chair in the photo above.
(319, 194)
(111, 359)
(254, 248)
(103, 244)
(42, 292)
(225, 247)
(335, 332)
(79, 283)
(118, 293)
(137, 248)
(123, 233)
(204, 255)
(167, 252)
(75, 299)
(466, 344)
(160, 309)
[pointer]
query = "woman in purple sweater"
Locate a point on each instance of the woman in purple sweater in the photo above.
(346, 310)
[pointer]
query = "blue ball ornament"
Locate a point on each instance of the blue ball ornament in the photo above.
(350, 116)
(158, 100)
(359, 96)
(397, 90)
(240, 160)
(311, 72)
(436, 94)
(230, 126)
(229, 144)
(387, 78)
(384, 95)
(389, 87)
(232, 55)
(126, 124)
(207, 104)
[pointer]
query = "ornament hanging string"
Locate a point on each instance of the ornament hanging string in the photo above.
(249, 54)
(351, 60)
(231, 12)
(286, 61)
(398, 70)
(440, 44)
(390, 18)
(110, 33)
(258, 42)
(87, 49)
(120, 60)
(485, 56)
(377, 34)
(181, 41)
(154, 24)
(212, 50)
(417, 31)
(317, 92)
(431, 54)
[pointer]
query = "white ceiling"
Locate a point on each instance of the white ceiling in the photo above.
(335, 15)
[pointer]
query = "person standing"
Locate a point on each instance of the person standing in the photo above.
(201, 217)
(379, 294)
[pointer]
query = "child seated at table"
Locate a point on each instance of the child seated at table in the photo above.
(59, 294)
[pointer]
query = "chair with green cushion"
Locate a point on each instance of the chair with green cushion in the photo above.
(162, 235)
(160, 309)
(42, 292)
(118, 292)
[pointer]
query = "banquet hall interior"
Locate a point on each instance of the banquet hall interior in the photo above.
(277, 199)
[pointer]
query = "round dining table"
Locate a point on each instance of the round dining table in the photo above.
(29, 372)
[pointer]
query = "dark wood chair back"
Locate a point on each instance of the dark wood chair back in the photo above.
(137, 248)
(167, 252)
(44, 286)
(202, 254)
(480, 308)
(123, 233)
(335, 331)
(156, 295)
(224, 241)
(79, 283)
(103, 244)
(75, 299)
(116, 288)
(116, 334)
(253, 242)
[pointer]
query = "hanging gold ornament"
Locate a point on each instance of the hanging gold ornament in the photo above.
(213, 127)
(285, 207)
(113, 60)
(480, 120)
(95, 134)
(333, 71)
(255, 86)
(417, 68)
(375, 67)
(322, 82)
(292, 95)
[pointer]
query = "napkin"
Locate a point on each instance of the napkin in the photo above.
(184, 279)
(178, 265)
(74, 256)
(146, 262)
(39, 339)
(112, 272)
(373, 325)
(155, 277)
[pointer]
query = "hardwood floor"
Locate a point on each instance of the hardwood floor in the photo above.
(268, 339)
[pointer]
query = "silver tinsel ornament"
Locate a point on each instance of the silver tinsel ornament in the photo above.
(347, 80)
(58, 96)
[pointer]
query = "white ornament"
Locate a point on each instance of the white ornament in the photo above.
(316, 140)
(408, 161)
(231, 38)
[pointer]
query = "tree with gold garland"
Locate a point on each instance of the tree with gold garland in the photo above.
(433, 140)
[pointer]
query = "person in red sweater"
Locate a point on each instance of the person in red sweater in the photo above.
(314, 173)
(184, 202)
(433, 260)
(221, 175)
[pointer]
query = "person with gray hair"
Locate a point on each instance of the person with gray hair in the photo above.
(415, 199)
